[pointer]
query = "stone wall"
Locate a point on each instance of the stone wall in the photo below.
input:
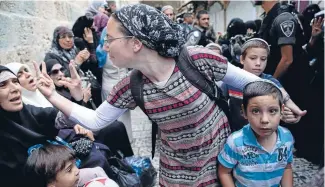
(26, 27)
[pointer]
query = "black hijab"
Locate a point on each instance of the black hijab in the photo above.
(308, 15)
(19, 131)
(61, 90)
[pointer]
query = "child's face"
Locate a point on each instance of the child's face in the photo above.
(68, 177)
(255, 60)
(263, 113)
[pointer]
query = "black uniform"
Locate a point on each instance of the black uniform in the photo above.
(200, 36)
(280, 27)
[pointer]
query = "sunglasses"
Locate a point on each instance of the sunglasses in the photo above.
(56, 71)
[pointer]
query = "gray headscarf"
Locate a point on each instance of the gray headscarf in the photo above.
(65, 54)
(93, 7)
(153, 28)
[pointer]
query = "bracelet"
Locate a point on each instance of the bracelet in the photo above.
(286, 98)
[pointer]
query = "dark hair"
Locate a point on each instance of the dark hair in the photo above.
(186, 15)
(123, 29)
(251, 25)
(235, 27)
(81, 23)
(45, 162)
(258, 24)
(198, 15)
(261, 88)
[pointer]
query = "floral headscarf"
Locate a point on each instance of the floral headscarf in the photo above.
(154, 29)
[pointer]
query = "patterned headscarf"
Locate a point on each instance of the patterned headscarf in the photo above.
(154, 29)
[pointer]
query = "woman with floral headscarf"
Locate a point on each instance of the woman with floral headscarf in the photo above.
(193, 127)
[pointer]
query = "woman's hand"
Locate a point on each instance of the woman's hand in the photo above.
(85, 55)
(82, 56)
(289, 117)
(73, 83)
(44, 82)
(88, 35)
(87, 93)
(80, 130)
(317, 27)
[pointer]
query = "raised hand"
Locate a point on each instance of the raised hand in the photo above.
(82, 56)
(317, 27)
(88, 35)
(87, 93)
(44, 82)
(85, 54)
(73, 83)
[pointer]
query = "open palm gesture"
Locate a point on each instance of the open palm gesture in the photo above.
(317, 26)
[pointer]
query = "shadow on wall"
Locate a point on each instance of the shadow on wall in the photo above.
(27, 27)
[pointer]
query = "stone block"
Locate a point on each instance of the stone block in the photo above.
(27, 27)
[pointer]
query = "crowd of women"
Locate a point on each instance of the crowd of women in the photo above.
(83, 89)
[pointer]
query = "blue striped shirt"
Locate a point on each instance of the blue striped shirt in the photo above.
(252, 165)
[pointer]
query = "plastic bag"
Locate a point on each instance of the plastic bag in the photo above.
(125, 179)
(124, 175)
(144, 170)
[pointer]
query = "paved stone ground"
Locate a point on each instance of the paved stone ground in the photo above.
(304, 171)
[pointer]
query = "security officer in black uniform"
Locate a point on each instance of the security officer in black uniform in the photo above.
(201, 34)
(289, 63)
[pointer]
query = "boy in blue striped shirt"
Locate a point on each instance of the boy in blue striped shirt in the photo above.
(260, 154)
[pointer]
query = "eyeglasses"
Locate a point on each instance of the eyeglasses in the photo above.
(56, 71)
(109, 40)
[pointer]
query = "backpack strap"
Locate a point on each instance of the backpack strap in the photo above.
(136, 85)
(194, 76)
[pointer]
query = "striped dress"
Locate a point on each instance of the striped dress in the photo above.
(193, 127)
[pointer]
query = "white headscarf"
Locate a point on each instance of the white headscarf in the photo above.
(29, 97)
